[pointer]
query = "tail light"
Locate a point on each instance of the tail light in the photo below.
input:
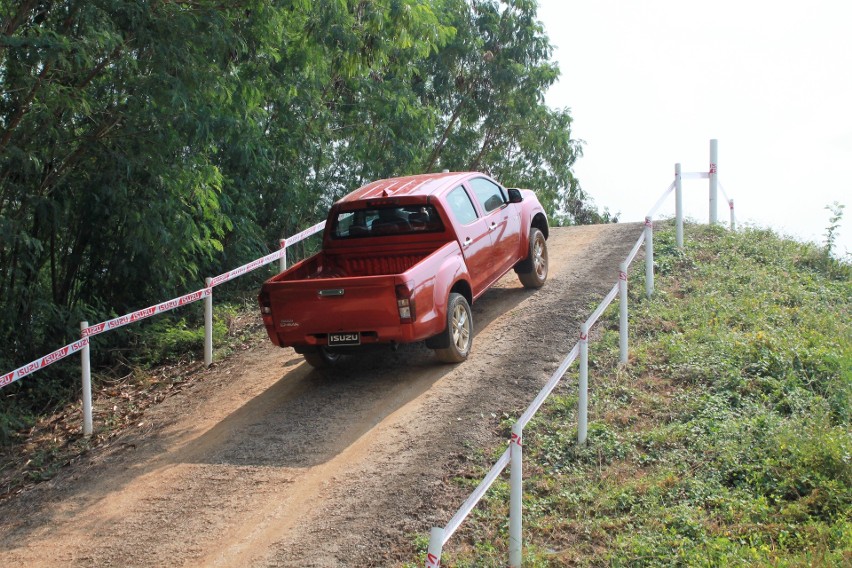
(265, 308)
(404, 303)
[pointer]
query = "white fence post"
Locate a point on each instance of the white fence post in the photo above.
(282, 263)
(436, 544)
(208, 326)
(714, 181)
(678, 207)
(649, 257)
(622, 313)
(583, 402)
(733, 219)
(87, 384)
(516, 496)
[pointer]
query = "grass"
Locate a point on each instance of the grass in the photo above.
(726, 439)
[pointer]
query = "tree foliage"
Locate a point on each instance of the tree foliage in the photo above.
(145, 144)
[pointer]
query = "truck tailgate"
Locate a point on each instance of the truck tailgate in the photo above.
(306, 311)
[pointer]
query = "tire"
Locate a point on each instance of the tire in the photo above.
(532, 271)
(321, 358)
(458, 336)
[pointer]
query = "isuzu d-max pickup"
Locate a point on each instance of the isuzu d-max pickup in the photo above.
(402, 260)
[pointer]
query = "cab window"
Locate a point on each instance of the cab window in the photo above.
(387, 220)
(461, 206)
(489, 194)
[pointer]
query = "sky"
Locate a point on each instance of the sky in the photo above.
(650, 82)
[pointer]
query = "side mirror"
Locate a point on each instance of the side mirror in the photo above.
(515, 195)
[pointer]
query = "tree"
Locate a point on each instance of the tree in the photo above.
(146, 144)
(489, 85)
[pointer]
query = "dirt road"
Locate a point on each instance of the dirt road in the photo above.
(267, 462)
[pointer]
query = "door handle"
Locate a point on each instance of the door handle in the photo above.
(467, 242)
(492, 226)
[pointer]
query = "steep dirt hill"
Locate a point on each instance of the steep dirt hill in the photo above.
(267, 462)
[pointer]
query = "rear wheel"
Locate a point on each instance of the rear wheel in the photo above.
(532, 271)
(320, 357)
(458, 336)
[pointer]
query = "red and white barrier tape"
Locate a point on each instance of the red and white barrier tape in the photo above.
(255, 264)
(49, 359)
(146, 312)
(305, 234)
(121, 321)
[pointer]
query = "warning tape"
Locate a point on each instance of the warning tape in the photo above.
(138, 315)
(255, 264)
(305, 234)
(144, 313)
(48, 359)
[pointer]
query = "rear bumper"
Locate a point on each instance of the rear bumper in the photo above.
(402, 333)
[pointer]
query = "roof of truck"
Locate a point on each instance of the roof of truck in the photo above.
(421, 184)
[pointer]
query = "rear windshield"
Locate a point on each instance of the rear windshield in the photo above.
(387, 220)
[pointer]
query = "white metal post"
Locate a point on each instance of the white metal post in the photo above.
(436, 544)
(516, 496)
(649, 257)
(733, 219)
(87, 384)
(678, 207)
(208, 326)
(714, 181)
(282, 262)
(622, 313)
(583, 403)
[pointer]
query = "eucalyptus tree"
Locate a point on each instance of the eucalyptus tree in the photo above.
(109, 188)
(145, 144)
(489, 84)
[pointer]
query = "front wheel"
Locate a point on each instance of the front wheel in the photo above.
(320, 357)
(532, 271)
(458, 336)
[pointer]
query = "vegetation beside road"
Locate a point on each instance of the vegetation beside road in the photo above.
(146, 145)
(725, 441)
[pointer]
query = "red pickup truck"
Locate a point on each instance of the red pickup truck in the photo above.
(402, 260)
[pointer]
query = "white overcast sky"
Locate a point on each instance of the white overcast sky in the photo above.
(650, 82)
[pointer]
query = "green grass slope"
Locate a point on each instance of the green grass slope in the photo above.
(725, 441)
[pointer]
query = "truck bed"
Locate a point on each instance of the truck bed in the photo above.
(329, 265)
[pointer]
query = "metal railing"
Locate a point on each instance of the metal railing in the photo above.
(88, 331)
(513, 456)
